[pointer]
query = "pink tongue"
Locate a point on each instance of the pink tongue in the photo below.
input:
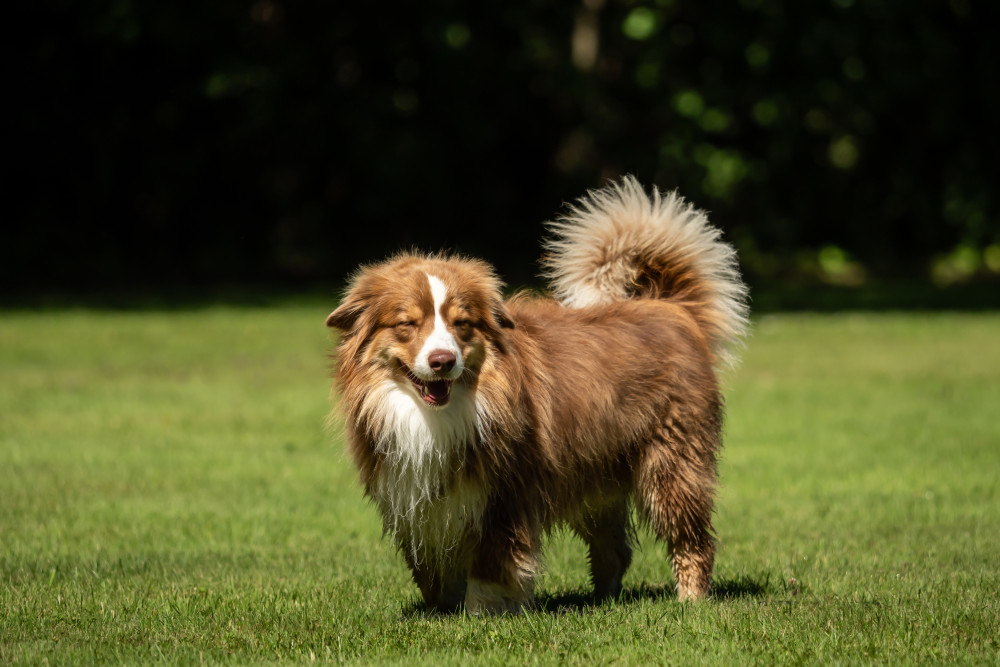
(438, 390)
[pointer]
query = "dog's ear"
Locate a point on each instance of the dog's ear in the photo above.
(346, 315)
(501, 315)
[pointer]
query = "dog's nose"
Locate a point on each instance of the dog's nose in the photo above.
(441, 361)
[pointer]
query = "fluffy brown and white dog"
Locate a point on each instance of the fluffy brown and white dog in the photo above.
(479, 423)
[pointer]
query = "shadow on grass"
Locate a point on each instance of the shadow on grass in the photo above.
(742, 586)
(573, 602)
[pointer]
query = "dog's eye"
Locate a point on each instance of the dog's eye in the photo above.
(463, 324)
(407, 324)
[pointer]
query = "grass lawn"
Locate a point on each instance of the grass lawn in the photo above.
(169, 494)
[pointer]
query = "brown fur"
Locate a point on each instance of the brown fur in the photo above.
(578, 411)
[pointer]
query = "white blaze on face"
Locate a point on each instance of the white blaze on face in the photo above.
(440, 338)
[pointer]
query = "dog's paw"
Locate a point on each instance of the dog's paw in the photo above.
(488, 598)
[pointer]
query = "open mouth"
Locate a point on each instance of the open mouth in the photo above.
(434, 392)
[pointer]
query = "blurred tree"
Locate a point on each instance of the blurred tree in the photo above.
(158, 143)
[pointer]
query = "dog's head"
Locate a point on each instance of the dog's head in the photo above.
(426, 322)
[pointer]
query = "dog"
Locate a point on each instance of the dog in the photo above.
(479, 423)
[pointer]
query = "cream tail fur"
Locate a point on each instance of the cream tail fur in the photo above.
(605, 240)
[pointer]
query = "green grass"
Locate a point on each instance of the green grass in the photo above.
(168, 493)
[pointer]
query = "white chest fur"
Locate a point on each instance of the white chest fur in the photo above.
(427, 505)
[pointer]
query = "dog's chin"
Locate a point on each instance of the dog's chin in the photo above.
(434, 393)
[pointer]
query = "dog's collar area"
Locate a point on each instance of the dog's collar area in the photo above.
(433, 392)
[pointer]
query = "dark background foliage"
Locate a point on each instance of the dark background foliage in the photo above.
(191, 143)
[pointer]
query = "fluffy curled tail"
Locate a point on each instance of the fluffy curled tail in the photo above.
(619, 243)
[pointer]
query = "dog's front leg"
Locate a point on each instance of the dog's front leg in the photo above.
(502, 576)
(442, 585)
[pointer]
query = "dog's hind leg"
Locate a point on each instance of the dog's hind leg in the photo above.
(675, 484)
(607, 531)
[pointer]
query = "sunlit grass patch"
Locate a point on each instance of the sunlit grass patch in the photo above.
(170, 493)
